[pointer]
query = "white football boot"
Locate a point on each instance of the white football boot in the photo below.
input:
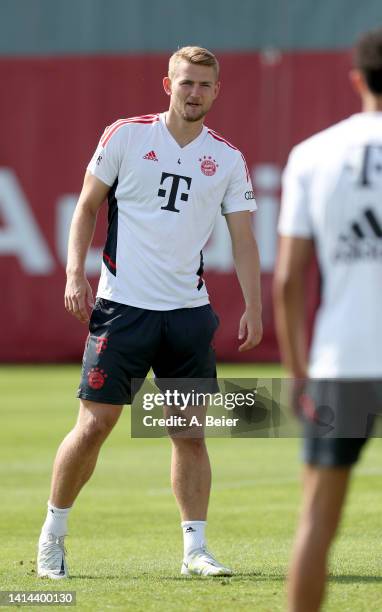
(51, 557)
(202, 563)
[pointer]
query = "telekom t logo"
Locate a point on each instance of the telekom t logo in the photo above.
(176, 178)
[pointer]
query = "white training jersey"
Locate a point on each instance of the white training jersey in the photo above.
(332, 193)
(163, 203)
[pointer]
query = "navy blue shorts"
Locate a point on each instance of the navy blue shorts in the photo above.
(124, 342)
(339, 417)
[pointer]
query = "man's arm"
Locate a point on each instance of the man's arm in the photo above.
(247, 264)
(289, 284)
(81, 233)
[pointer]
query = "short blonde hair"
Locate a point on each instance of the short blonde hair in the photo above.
(193, 55)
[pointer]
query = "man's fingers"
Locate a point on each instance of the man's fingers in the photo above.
(78, 294)
(244, 347)
(82, 313)
(248, 344)
(253, 339)
(242, 328)
(69, 304)
(75, 305)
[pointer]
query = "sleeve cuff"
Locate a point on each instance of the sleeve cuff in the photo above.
(99, 176)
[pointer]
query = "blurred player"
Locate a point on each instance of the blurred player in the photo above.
(332, 204)
(166, 177)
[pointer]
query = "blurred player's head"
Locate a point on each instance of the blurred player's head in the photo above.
(192, 82)
(367, 58)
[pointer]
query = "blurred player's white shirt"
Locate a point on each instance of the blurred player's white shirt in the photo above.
(162, 209)
(332, 192)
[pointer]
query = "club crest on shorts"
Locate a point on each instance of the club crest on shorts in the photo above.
(96, 378)
(208, 165)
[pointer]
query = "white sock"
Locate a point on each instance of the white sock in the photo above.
(56, 521)
(193, 536)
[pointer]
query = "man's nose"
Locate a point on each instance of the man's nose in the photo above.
(195, 90)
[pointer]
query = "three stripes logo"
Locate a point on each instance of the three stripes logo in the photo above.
(151, 155)
(363, 241)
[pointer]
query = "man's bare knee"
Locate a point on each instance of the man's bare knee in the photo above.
(190, 445)
(95, 421)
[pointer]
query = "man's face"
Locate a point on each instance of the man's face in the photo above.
(193, 88)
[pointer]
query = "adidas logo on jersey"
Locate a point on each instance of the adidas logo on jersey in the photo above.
(364, 241)
(151, 155)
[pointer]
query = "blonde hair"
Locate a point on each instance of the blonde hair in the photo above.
(193, 55)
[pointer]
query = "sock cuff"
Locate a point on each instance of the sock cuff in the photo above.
(190, 523)
(57, 510)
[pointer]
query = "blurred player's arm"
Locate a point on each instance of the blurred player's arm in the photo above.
(78, 290)
(294, 256)
(247, 264)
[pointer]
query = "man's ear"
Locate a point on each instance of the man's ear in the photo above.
(217, 89)
(167, 85)
(357, 81)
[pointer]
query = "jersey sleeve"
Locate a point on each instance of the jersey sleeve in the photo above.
(239, 194)
(295, 219)
(106, 160)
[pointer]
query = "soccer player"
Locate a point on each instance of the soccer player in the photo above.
(166, 177)
(332, 205)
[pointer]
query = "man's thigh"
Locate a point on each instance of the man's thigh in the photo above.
(339, 420)
(186, 365)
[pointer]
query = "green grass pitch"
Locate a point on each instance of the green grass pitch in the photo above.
(125, 545)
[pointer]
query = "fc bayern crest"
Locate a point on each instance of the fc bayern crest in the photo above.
(96, 378)
(208, 165)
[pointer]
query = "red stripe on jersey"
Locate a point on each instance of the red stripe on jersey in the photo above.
(246, 167)
(119, 122)
(144, 117)
(221, 139)
(111, 129)
(115, 126)
(110, 261)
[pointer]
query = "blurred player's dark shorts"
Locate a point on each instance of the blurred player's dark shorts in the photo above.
(124, 342)
(338, 418)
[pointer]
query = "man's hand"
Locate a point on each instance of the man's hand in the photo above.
(250, 328)
(299, 401)
(78, 294)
